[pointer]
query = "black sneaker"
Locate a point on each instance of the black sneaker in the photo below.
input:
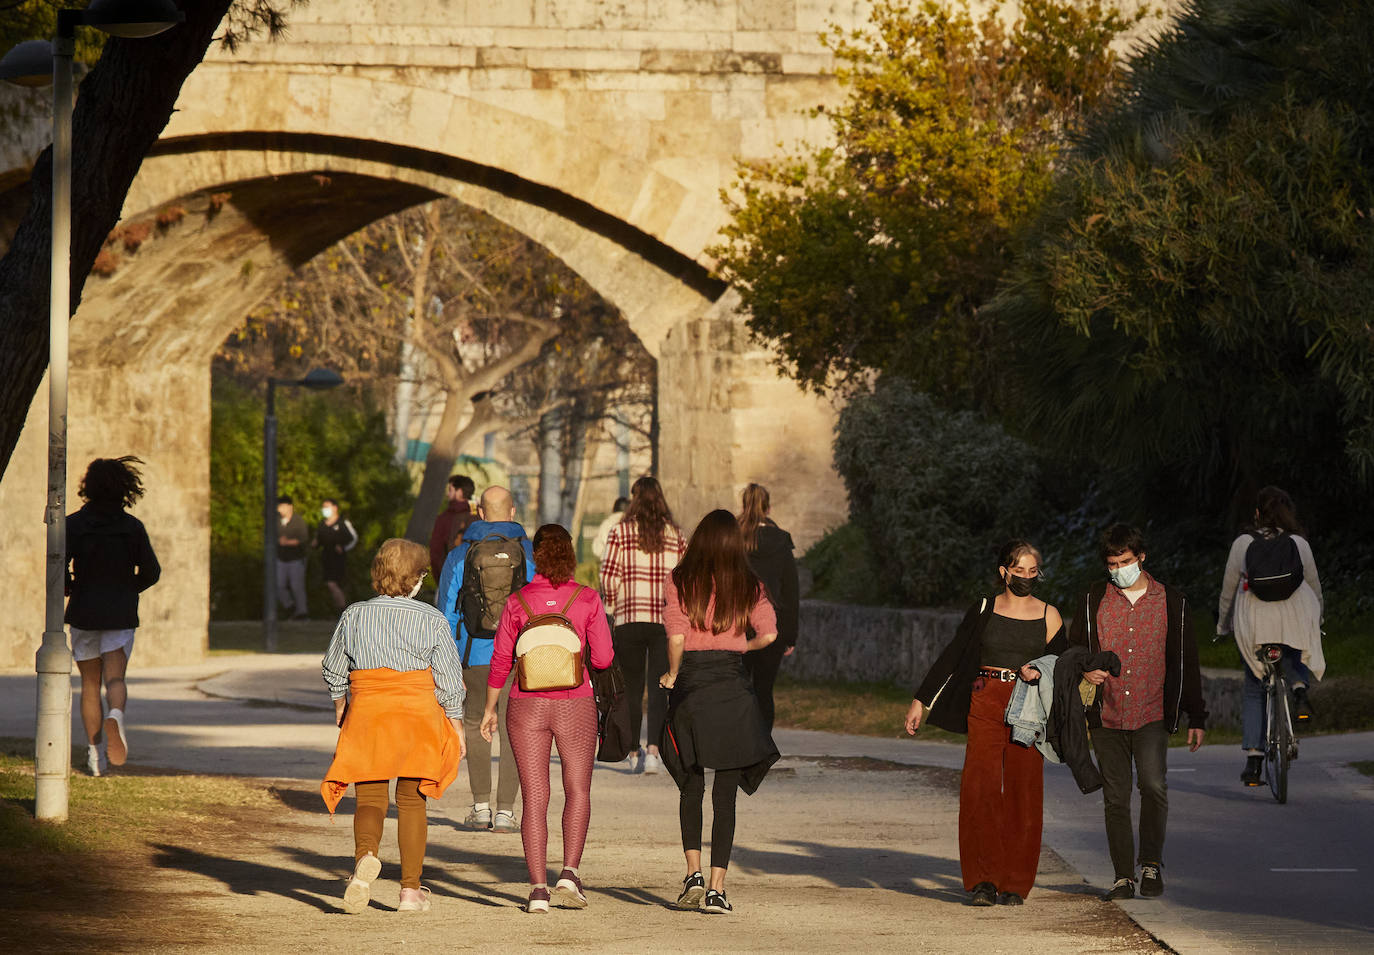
(1254, 771)
(716, 903)
(1151, 880)
(1010, 898)
(1121, 889)
(1302, 706)
(984, 893)
(693, 891)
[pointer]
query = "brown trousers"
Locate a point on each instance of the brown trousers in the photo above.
(412, 824)
(1001, 798)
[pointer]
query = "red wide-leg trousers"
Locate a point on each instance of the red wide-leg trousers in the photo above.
(1001, 797)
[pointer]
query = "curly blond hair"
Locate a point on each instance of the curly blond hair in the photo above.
(399, 564)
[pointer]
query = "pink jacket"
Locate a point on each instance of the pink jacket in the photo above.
(763, 618)
(587, 615)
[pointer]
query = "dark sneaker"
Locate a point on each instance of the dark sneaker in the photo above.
(1254, 771)
(716, 903)
(568, 894)
(539, 902)
(1302, 707)
(1010, 898)
(984, 893)
(1121, 889)
(693, 891)
(1151, 880)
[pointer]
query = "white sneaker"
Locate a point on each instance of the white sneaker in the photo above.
(416, 901)
(115, 739)
(95, 759)
(358, 892)
(652, 763)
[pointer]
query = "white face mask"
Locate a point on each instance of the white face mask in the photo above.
(328, 512)
(1125, 577)
(416, 589)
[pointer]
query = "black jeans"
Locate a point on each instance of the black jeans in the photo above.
(762, 667)
(723, 792)
(1147, 747)
(642, 648)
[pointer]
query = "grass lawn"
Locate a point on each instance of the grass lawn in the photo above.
(1365, 766)
(1346, 644)
(863, 709)
(293, 636)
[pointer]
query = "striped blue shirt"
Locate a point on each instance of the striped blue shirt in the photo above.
(396, 633)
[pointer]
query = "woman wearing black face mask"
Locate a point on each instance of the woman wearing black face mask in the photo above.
(967, 691)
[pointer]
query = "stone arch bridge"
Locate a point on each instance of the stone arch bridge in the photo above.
(603, 129)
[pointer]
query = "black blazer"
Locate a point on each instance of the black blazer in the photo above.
(947, 689)
(1182, 677)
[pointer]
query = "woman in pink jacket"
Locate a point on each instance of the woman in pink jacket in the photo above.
(535, 720)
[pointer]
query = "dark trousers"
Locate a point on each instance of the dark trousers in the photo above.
(723, 791)
(762, 667)
(642, 649)
(1148, 748)
(1001, 798)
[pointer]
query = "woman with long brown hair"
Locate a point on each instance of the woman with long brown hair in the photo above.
(714, 720)
(640, 553)
(769, 550)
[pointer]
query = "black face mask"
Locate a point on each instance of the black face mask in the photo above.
(1020, 586)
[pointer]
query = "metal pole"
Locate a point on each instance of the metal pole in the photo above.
(53, 733)
(270, 524)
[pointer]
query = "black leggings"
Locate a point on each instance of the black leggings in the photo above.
(723, 792)
(642, 649)
(762, 667)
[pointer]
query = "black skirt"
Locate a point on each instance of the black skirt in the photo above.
(714, 721)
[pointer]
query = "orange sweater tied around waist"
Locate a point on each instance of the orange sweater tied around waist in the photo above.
(393, 727)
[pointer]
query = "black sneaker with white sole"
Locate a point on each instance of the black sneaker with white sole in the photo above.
(1121, 889)
(693, 891)
(716, 903)
(1151, 880)
(982, 894)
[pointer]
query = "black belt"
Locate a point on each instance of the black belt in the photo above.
(998, 673)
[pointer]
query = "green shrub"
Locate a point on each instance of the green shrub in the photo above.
(844, 569)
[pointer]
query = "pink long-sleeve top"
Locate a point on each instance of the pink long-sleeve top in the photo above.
(762, 618)
(587, 615)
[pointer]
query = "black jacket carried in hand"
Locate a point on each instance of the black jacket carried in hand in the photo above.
(947, 690)
(110, 561)
(1182, 676)
(772, 562)
(1067, 729)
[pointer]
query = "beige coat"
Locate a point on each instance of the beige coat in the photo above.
(1295, 622)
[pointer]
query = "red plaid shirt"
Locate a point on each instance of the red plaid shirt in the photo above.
(633, 583)
(1135, 633)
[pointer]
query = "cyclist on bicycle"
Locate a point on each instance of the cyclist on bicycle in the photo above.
(1270, 594)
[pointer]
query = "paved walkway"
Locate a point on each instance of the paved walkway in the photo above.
(1244, 874)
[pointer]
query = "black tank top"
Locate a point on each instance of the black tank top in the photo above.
(1008, 642)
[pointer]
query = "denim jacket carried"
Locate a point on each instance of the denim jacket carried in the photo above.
(1028, 713)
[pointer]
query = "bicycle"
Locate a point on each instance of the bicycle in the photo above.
(1280, 745)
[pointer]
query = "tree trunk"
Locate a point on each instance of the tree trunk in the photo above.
(551, 466)
(580, 497)
(438, 466)
(124, 105)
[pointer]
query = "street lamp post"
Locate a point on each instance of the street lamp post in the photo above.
(317, 379)
(26, 65)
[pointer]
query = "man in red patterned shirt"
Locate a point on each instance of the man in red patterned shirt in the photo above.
(1147, 625)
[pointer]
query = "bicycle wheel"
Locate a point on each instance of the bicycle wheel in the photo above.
(1280, 739)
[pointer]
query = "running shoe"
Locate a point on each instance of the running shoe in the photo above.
(504, 821)
(652, 763)
(1121, 889)
(358, 892)
(416, 901)
(693, 891)
(716, 903)
(116, 743)
(1151, 880)
(478, 819)
(567, 893)
(539, 901)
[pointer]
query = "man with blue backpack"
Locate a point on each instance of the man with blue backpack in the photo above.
(492, 561)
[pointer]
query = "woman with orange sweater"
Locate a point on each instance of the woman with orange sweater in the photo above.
(394, 673)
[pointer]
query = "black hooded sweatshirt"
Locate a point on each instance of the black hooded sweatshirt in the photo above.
(772, 562)
(110, 561)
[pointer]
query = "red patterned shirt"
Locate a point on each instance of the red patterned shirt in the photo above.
(634, 583)
(1136, 634)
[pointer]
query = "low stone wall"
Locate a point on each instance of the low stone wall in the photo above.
(850, 644)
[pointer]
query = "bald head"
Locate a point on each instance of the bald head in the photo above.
(497, 504)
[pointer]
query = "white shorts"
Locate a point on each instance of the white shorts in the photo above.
(89, 644)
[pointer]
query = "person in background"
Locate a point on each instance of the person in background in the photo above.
(714, 721)
(496, 518)
(641, 551)
(292, 537)
(603, 530)
(1293, 622)
(452, 522)
(110, 561)
(335, 537)
(397, 685)
(1148, 626)
(1001, 792)
(538, 719)
(770, 558)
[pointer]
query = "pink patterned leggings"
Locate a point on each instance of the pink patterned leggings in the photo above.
(534, 723)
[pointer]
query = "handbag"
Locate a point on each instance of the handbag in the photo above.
(613, 733)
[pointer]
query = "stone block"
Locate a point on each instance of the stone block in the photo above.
(770, 15)
(497, 13)
(605, 60)
(493, 57)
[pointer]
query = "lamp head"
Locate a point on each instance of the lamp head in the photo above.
(133, 18)
(318, 379)
(28, 64)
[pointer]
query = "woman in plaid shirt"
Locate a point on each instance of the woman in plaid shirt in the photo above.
(641, 552)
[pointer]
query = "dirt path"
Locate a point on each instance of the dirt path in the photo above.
(832, 855)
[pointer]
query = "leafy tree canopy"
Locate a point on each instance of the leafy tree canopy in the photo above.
(876, 252)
